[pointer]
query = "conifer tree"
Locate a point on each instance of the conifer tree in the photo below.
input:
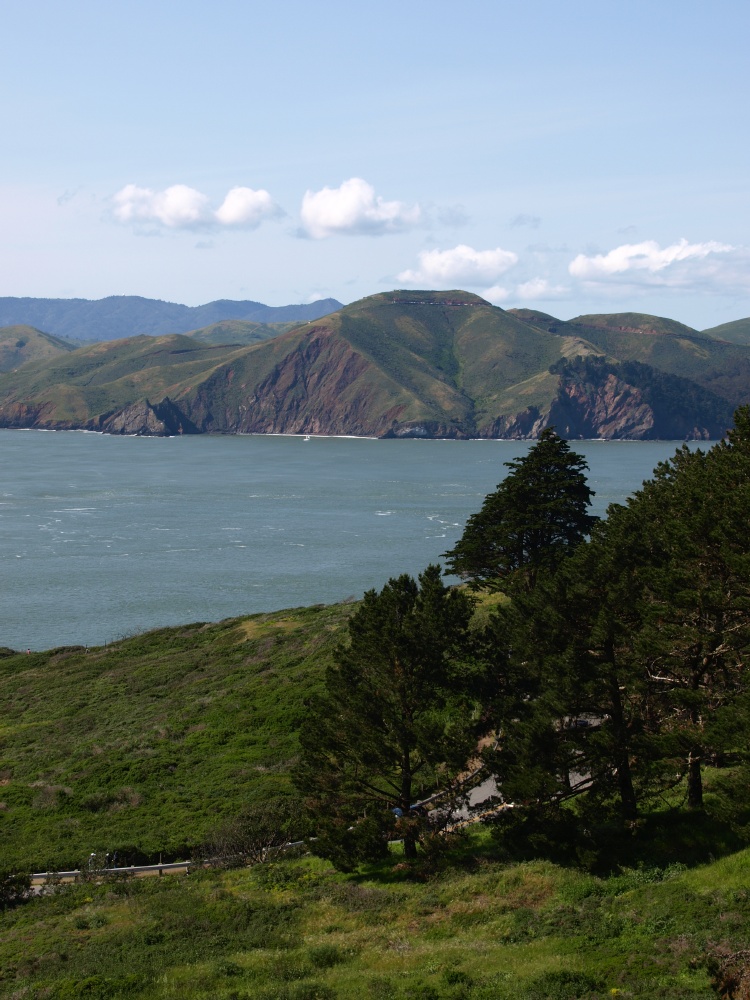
(695, 566)
(535, 517)
(395, 718)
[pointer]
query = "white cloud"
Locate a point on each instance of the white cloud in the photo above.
(177, 207)
(458, 267)
(245, 207)
(680, 265)
(182, 207)
(540, 288)
(496, 294)
(354, 209)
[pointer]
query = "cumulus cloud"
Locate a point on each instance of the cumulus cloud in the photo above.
(353, 209)
(540, 288)
(245, 207)
(463, 265)
(680, 265)
(182, 207)
(496, 294)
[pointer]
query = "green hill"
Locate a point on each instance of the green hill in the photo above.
(737, 332)
(298, 930)
(669, 347)
(21, 344)
(239, 332)
(150, 740)
(416, 363)
(655, 326)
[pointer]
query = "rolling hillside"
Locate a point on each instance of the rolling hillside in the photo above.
(148, 740)
(737, 332)
(419, 364)
(21, 344)
(239, 331)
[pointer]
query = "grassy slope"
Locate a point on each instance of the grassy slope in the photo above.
(111, 374)
(635, 323)
(240, 332)
(665, 344)
(737, 332)
(21, 344)
(299, 931)
(146, 742)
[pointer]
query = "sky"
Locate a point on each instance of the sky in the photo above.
(576, 157)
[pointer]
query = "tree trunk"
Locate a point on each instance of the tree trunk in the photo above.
(694, 783)
(621, 755)
(410, 840)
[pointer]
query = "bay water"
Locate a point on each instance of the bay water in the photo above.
(103, 536)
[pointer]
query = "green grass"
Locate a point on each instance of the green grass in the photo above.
(737, 332)
(148, 742)
(298, 929)
(239, 331)
(21, 344)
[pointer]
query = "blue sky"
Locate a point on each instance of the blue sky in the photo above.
(571, 157)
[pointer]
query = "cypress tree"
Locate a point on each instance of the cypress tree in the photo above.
(535, 517)
(395, 719)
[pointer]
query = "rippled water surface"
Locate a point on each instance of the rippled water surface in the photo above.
(105, 536)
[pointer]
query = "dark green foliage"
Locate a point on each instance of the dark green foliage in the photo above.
(14, 888)
(536, 517)
(257, 834)
(394, 721)
(624, 670)
(562, 986)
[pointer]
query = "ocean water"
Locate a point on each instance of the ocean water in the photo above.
(102, 537)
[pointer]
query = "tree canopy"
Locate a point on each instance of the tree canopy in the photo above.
(535, 517)
(394, 721)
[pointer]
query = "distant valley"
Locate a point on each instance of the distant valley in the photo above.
(398, 364)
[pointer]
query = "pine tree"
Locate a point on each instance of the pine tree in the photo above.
(535, 517)
(395, 719)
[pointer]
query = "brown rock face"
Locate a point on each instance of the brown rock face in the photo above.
(25, 415)
(613, 409)
(144, 420)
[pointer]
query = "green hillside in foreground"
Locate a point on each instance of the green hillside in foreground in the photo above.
(297, 930)
(21, 344)
(149, 741)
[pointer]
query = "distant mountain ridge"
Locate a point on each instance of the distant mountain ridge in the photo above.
(121, 316)
(398, 364)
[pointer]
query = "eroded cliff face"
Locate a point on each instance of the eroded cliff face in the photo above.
(143, 419)
(18, 415)
(611, 408)
(322, 387)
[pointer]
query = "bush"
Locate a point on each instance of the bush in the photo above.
(14, 889)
